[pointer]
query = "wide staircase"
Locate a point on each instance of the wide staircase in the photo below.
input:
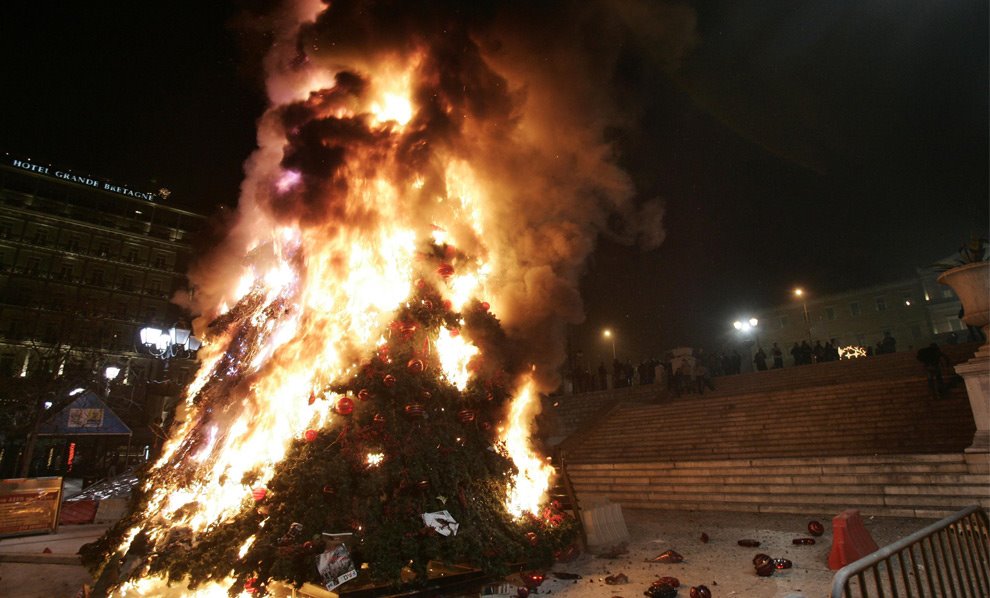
(816, 439)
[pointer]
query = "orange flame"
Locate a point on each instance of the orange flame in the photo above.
(311, 301)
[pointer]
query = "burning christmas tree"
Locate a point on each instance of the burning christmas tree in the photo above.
(411, 184)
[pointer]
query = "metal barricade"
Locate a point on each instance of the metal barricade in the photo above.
(950, 558)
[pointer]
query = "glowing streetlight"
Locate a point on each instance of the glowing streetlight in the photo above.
(799, 293)
(110, 373)
(165, 344)
(607, 333)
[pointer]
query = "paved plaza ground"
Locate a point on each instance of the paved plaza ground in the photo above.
(721, 564)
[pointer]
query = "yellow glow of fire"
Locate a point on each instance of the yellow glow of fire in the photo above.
(455, 352)
(529, 487)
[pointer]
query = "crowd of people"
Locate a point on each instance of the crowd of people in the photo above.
(692, 371)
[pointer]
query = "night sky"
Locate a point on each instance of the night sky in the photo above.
(824, 144)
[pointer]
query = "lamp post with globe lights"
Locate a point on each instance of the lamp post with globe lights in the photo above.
(166, 344)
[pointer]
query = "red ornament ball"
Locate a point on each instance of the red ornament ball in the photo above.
(815, 528)
(364, 394)
(415, 366)
(388, 380)
(345, 405)
(259, 494)
(764, 566)
(329, 490)
(700, 592)
(311, 435)
(379, 419)
(415, 410)
(533, 538)
(455, 332)
(312, 397)
(486, 426)
(448, 304)
(485, 306)
(466, 416)
(670, 581)
(445, 270)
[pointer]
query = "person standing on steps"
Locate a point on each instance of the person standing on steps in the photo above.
(932, 358)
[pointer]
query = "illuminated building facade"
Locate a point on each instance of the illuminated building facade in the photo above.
(915, 311)
(84, 264)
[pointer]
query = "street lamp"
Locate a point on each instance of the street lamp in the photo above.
(745, 326)
(166, 344)
(110, 373)
(607, 333)
(799, 293)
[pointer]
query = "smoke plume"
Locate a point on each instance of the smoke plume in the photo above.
(522, 94)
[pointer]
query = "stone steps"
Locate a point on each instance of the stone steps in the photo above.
(927, 485)
(814, 440)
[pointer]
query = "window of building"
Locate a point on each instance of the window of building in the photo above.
(954, 323)
(947, 293)
(6, 230)
(159, 261)
(132, 255)
(96, 277)
(40, 236)
(155, 285)
(33, 266)
(103, 250)
(65, 272)
(127, 283)
(854, 308)
(830, 313)
(784, 321)
(881, 303)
